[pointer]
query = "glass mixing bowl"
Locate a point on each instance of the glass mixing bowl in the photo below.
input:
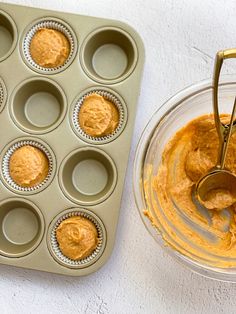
(188, 104)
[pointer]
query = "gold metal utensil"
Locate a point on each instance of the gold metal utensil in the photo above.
(219, 178)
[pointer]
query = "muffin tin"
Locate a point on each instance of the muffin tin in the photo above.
(86, 174)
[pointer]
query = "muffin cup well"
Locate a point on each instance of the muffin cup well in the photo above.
(111, 96)
(109, 55)
(5, 161)
(38, 105)
(21, 227)
(87, 176)
(8, 35)
(50, 23)
(54, 246)
(3, 94)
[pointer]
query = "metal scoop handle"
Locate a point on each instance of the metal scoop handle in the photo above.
(224, 131)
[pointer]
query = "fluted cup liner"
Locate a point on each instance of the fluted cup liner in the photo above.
(6, 166)
(54, 246)
(50, 24)
(114, 100)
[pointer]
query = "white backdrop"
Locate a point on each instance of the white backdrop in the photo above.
(181, 38)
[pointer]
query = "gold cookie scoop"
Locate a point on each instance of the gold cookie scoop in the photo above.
(219, 184)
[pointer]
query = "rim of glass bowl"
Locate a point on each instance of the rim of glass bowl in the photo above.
(140, 156)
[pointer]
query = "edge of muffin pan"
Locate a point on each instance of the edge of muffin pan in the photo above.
(88, 51)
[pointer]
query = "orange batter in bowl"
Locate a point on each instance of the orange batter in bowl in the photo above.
(208, 233)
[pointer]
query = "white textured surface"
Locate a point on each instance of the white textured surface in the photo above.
(181, 38)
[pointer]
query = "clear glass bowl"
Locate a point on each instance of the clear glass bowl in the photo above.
(188, 104)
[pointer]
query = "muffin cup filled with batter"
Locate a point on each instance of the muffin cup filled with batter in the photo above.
(3, 94)
(49, 46)
(76, 238)
(99, 116)
(22, 227)
(27, 166)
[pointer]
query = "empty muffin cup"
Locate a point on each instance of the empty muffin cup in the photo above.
(3, 94)
(38, 105)
(55, 58)
(109, 55)
(21, 227)
(87, 176)
(54, 247)
(109, 96)
(28, 166)
(8, 35)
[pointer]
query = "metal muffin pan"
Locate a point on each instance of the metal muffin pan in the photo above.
(87, 174)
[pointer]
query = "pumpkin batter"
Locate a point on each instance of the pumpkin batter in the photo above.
(208, 233)
(98, 117)
(49, 48)
(28, 166)
(77, 237)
